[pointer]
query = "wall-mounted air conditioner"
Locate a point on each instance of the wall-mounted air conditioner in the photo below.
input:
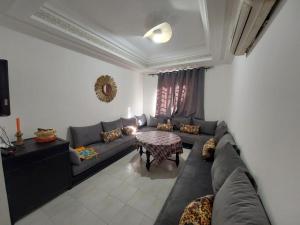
(251, 16)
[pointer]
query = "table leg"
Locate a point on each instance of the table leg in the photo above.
(177, 159)
(148, 160)
(141, 150)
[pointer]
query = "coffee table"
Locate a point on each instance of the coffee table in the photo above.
(160, 144)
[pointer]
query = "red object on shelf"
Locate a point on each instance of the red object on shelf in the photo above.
(18, 124)
(45, 140)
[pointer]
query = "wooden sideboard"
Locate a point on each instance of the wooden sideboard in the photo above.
(36, 174)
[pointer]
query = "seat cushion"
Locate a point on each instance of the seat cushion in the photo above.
(224, 164)
(74, 157)
(206, 127)
(194, 181)
(177, 121)
(105, 151)
(109, 126)
(192, 138)
(145, 129)
(237, 203)
(83, 136)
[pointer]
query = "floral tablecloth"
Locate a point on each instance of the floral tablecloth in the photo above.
(160, 144)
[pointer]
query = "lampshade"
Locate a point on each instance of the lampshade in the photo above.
(161, 33)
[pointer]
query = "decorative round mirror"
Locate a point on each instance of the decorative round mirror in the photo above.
(105, 88)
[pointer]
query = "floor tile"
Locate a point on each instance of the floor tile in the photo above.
(109, 207)
(123, 193)
(147, 221)
(143, 202)
(127, 215)
(36, 218)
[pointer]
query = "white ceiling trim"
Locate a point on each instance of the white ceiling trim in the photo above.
(61, 23)
(48, 21)
(49, 16)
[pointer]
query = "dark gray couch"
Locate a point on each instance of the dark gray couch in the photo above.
(109, 152)
(236, 201)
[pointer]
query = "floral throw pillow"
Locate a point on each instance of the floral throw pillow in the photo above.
(165, 126)
(129, 130)
(190, 129)
(208, 149)
(112, 135)
(198, 212)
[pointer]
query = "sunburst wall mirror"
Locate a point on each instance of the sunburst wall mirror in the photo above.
(105, 88)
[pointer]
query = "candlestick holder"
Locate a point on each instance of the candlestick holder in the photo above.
(19, 140)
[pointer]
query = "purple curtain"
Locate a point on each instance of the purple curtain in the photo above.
(181, 93)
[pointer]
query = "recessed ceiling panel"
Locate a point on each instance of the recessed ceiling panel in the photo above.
(126, 21)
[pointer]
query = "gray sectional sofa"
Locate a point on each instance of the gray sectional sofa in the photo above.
(109, 152)
(236, 201)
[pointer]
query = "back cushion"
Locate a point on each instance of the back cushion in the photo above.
(177, 121)
(221, 130)
(227, 138)
(83, 136)
(206, 127)
(141, 120)
(237, 203)
(224, 164)
(109, 126)
(154, 121)
(129, 122)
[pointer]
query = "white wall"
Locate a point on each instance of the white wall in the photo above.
(217, 92)
(263, 113)
(53, 87)
(149, 94)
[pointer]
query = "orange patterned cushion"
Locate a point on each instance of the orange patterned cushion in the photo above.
(190, 129)
(111, 135)
(209, 148)
(165, 126)
(198, 212)
(129, 130)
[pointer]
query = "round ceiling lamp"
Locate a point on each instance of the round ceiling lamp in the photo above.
(161, 33)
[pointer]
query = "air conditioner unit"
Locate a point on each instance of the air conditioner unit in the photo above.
(251, 16)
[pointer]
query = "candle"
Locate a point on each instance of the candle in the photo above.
(18, 124)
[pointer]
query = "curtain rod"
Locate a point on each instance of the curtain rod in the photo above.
(155, 74)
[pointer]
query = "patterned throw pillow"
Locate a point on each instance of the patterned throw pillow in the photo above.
(198, 212)
(129, 130)
(85, 153)
(112, 135)
(209, 148)
(165, 126)
(190, 129)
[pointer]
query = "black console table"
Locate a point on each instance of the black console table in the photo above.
(35, 174)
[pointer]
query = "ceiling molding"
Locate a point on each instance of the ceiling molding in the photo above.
(51, 18)
(53, 25)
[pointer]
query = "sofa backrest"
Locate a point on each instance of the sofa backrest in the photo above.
(237, 202)
(83, 136)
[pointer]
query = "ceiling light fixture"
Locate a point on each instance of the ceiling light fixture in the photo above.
(161, 33)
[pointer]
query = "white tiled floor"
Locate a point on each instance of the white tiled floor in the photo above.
(123, 193)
